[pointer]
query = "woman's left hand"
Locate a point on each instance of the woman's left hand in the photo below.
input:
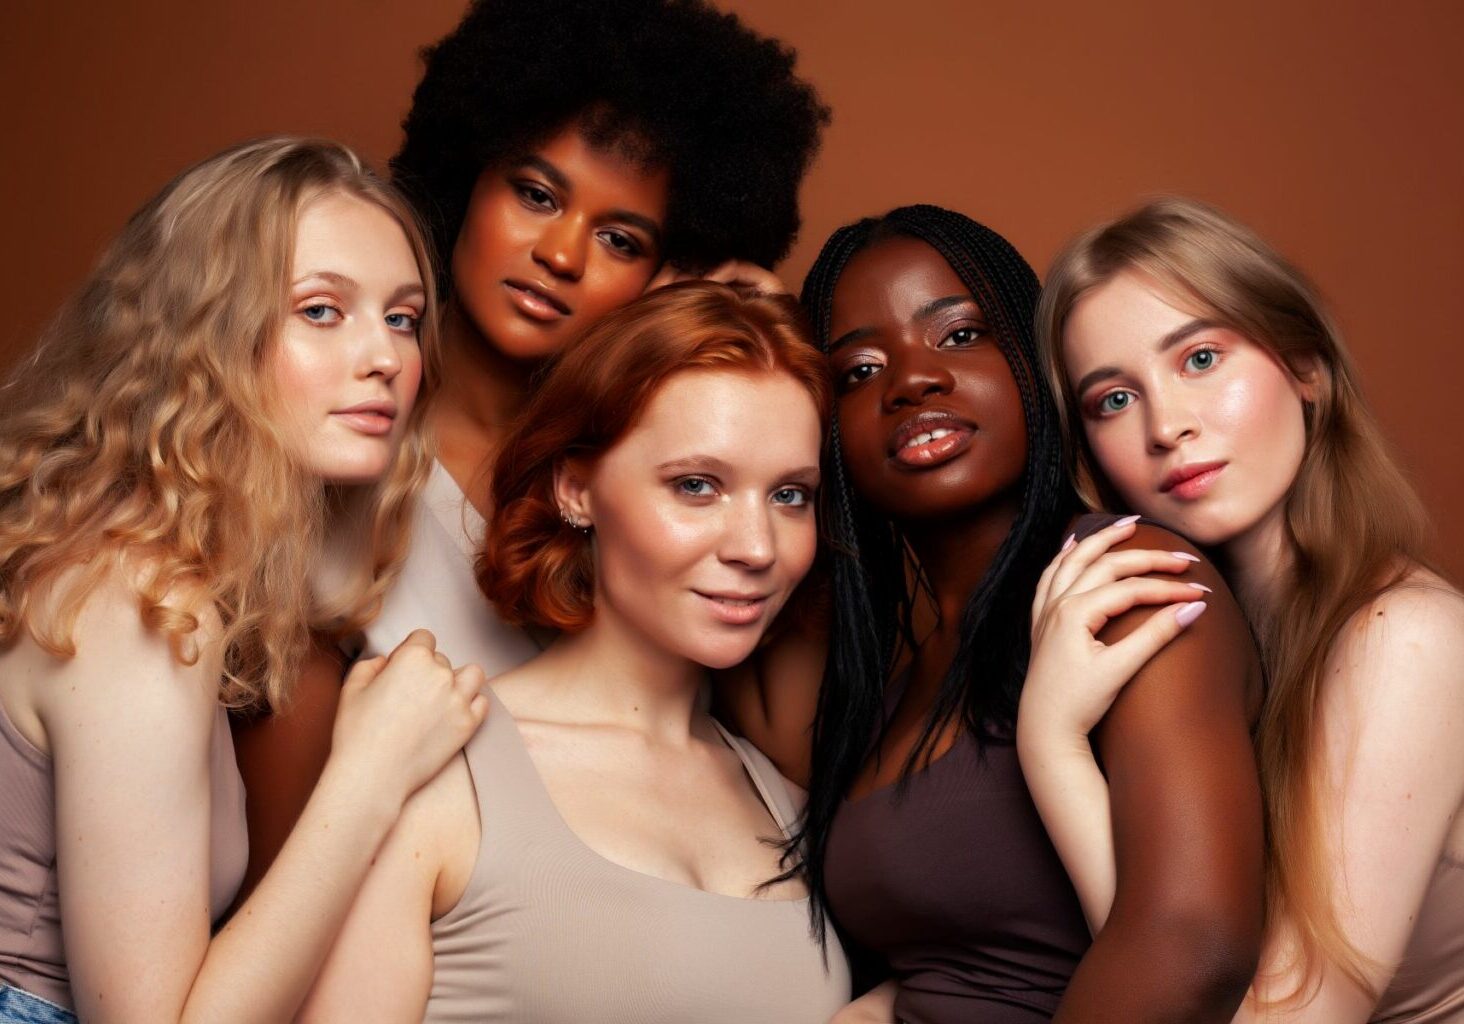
(738, 273)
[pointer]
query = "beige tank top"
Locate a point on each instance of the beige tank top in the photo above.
(1429, 985)
(438, 591)
(31, 954)
(549, 932)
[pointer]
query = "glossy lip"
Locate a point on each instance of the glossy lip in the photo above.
(1191, 480)
(932, 453)
(735, 614)
(525, 292)
(374, 417)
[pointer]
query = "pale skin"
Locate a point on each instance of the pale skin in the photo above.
(129, 727)
(1390, 755)
(612, 716)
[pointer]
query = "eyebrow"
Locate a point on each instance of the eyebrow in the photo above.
(406, 290)
(808, 475)
(561, 181)
(931, 308)
(1181, 333)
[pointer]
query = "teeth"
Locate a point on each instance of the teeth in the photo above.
(934, 435)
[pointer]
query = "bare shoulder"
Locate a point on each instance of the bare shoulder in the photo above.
(1406, 642)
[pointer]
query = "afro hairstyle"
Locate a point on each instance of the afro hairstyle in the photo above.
(670, 83)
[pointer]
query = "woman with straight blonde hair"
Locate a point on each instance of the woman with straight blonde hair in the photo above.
(1204, 387)
(234, 384)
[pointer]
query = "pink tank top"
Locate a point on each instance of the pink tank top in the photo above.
(31, 954)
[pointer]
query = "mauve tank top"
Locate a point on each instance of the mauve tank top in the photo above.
(550, 932)
(31, 953)
(956, 885)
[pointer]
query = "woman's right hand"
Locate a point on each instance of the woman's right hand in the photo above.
(1073, 677)
(403, 716)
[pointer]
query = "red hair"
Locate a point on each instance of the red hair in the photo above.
(532, 566)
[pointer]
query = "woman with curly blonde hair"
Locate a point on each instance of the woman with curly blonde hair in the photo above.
(233, 386)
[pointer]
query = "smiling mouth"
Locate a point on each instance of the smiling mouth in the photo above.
(734, 611)
(930, 439)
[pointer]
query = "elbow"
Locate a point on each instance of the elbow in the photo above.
(1198, 966)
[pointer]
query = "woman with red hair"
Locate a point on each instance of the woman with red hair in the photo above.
(605, 849)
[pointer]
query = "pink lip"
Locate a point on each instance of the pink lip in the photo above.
(1191, 481)
(735, 609)
(535, 301)
(937, 450)
(374, 418)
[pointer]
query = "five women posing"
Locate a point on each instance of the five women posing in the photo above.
(1030, 738)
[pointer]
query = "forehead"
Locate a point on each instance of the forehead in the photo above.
(745, 418)
(606, 173)
(889, 281)
(1125, 317)
(348, 235)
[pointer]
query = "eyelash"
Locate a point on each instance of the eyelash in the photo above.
(977, 333)
(621, 243)
(1096, 405)
(413, 325)
(805, 496)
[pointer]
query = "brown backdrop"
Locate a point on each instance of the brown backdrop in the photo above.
(1333, 128)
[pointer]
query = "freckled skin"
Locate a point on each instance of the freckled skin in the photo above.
(1175, 407)
(911, 363)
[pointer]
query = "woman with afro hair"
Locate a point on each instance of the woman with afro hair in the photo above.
(567, 156)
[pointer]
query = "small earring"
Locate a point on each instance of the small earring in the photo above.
(573, 521)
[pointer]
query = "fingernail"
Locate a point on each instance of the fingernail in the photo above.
(1185, 555)
(1072, 539)
(1127, 521)
(1200, 586)
(1190, 612)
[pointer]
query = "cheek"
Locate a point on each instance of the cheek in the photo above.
(610, 283)
(1118, 449)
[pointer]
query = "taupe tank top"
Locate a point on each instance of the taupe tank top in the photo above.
(549, 932)
(1429, 985)
(31, 954)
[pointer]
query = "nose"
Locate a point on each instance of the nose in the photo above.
(563, 245)
(915, 377)
(379, 355)
(1172, 420)
(747, 539)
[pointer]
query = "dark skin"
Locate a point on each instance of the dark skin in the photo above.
(1184, 935)
(580, 226)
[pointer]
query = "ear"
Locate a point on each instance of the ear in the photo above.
(1309, 376)
(572, 492)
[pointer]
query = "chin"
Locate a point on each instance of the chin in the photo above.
(717, 655)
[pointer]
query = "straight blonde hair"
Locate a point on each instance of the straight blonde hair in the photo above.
(144, 426)
(1353, 523)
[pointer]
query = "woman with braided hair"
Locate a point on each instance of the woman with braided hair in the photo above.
(946, 498)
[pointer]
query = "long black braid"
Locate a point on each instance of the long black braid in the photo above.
(872, 596)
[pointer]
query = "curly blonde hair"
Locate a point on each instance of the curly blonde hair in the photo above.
(143, 426)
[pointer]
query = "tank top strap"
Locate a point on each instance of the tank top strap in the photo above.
(766, 779)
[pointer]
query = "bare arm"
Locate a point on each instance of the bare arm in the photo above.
(281, 756)
(129, 729)
(1183, 937)
(1392, 750)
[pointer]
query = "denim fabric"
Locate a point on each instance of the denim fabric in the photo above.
(17, 1007)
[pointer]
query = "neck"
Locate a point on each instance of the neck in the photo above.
(480, 393)
(1259, 560)
(620, 676)
(955, 554)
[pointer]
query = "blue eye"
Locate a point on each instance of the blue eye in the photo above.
(1201, 360)
(402, 322)
(790, 497)
(320, 313)
(1115, 401)
(695, 487)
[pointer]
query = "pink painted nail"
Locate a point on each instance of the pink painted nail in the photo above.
(1200, 586)
(1072, 539)
(1127, 521)
(1185, 555)
(1188, 613)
